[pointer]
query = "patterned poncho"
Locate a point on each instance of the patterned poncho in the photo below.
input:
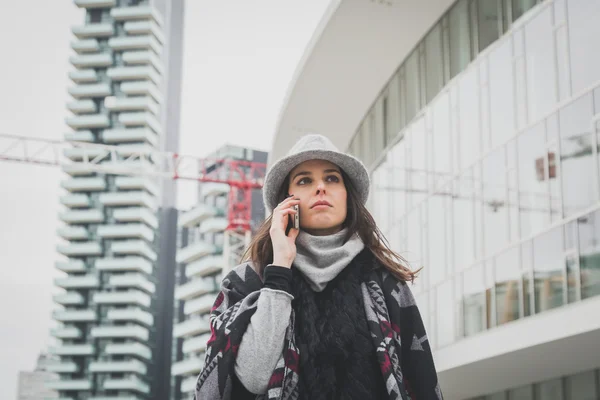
(394, 321)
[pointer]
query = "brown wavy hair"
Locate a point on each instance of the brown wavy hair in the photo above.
(358, 220)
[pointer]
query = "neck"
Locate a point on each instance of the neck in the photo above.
(324, 231)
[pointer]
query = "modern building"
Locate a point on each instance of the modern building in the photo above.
(206, 250)
(114, 315)
(479, 122)
(32, 384)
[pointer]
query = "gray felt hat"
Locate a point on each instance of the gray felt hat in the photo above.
(314, 147)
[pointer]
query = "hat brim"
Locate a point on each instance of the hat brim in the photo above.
(354, 169)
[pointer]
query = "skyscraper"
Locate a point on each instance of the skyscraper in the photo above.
(119, 230)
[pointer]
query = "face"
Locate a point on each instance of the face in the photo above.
(320, 187)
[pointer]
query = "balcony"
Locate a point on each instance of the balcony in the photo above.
(95, 60)
(137, 149)
(93, 30)
(73, 233)
(93, 90)
(69, 299)
(64, 367)
(134, 280)
(77, 170)
(82, 106)
(137, 247)
(132, 383)
(195, 344)
(80, 249)
(91, 216)
(133, 332)
(143, 58)
(140, 119)
(195, 252)
(74, 315)
(71, 266)
(214, 225)
(196, 216)
(95, 3)
(131, 104)
(141, 88)
(136, 13)
(73, 350)
(136, 349)
(206, 266)
(75, 384)
(130, 135)
(124, 264)
(214, 189)
(66, 332)
(119, 366)
(191, 327)
(78, 282)
(136, 215)
(80, 136)
(83, 76)
(135, 43)
(187, 367)
(194, 288)
(130, 297)
(85, 46)
(201, 305)
(133, 314)
(118, 231)
(135, 73)
(129, 183)
(84, 184)
(129, 199)
(88, 121)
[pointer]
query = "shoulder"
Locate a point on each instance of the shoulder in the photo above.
(242, 278)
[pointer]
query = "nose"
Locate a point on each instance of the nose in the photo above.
(321, 188)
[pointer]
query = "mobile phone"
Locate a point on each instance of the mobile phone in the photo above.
(293, 220)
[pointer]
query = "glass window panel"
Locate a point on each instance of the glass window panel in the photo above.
(512, 179)
(519, 7)
(527, 268)
(489, 22)
(582, 386)
(414, 252)
(460, 44)
(392, 110)
(548, 267)
(398, 183)
(549, 390)
(433, 62)
(478, 209)
(413, 91)
(572, 261)
(553, 172)
(541, 67)
(445, 313)
(584, 31)
(579, 185)
(442, 166)
(502, 96)
(463, 221)
(495, 213)
(534, 199)
(418, 164)
(436, 244)
(378, 121)
(403, 119)
(521, 393)
(474, 303)
(469, 107)
(508, 292)
(589, 254)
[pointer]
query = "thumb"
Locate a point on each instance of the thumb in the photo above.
(293, 234)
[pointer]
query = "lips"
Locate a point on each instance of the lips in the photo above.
(321, 203)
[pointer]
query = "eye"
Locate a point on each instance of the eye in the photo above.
(303, 181)
(333, 178)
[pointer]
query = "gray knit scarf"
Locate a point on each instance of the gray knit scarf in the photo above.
(321, 258)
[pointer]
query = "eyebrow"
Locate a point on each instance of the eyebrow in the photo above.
(306, 173)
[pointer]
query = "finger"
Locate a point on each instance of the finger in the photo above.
(280, 218)
(287, 202)
(293, 234)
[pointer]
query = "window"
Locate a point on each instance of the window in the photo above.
(519, 7)
(584, 31)
(434, 64)
(549, 390)
(508, 292)
(445, 313)
(548, 265)
(495, 212)
(589, 237)
(463, 221)
(474, 301)
(413, 91)
(95, 16)
(488, 22)
(460, 44)
(581, 386)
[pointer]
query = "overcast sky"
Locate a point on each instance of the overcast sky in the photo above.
(239, 58)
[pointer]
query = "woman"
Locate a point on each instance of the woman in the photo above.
(323, 312)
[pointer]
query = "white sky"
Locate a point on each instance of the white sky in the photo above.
(239, 58)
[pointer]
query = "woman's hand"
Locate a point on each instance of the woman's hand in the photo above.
(284, 247)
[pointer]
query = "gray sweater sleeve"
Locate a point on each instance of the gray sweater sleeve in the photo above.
(262, 343)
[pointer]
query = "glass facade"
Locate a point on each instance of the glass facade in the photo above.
(580, 386)
(483, 149)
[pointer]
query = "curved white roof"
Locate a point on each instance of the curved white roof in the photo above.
(354, 51)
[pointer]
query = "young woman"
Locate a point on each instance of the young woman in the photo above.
(320, 312)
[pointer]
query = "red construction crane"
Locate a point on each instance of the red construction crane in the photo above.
(241, 176)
